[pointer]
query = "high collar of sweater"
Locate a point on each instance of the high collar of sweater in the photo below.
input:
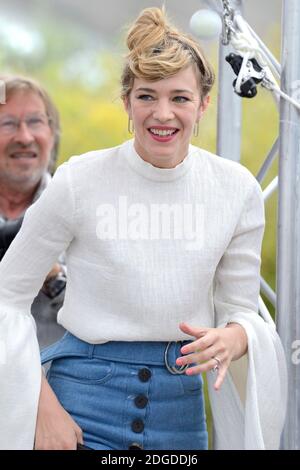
(154, 173)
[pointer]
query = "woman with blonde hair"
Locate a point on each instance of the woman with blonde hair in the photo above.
(163, 245)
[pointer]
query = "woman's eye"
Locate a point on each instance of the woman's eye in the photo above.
(145, 97)
(180, 99)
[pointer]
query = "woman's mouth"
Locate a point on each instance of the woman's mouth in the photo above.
(163, 134)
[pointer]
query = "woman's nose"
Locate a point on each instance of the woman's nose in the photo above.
(163, 111)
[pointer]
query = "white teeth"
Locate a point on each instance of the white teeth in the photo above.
(23, 155)
(162, 133)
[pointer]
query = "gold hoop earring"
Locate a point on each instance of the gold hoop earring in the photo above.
(130, 126)
(196, 129)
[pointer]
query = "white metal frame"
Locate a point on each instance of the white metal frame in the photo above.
(286, 300)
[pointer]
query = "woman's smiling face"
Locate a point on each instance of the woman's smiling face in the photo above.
(164, 114)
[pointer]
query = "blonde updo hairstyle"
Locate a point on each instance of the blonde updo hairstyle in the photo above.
(157, 50)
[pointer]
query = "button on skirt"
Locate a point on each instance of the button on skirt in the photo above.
(123, 396)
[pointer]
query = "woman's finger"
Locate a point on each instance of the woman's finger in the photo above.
(198, 332)
(198, 356)
(205, 367)
(220, 378)
(79, 434)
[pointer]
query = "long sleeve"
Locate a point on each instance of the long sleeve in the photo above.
(237, 278)
(47, 230)
(252, 400)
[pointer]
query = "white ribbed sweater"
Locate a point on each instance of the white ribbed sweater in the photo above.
(131, 276)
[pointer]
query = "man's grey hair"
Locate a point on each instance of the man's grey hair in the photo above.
(15, 83)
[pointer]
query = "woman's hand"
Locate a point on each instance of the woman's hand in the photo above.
(224, 344)
(56, 269)
(55, 429)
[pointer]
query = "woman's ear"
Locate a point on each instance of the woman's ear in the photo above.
(127, 106)
(203, 106)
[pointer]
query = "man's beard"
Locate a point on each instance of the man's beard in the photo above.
(22, 180)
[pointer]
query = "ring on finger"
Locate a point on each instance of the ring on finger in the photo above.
(218, 363)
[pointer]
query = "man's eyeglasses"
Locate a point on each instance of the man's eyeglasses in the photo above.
(35, 123)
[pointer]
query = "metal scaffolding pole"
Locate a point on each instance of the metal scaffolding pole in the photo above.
(229, 106)
(229, 111)
(288, 245)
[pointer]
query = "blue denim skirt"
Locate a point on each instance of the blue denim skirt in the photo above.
(124, 395)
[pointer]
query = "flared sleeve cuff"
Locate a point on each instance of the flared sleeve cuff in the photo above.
(249, 410)
(20, 379)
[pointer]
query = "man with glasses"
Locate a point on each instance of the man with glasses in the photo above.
(29, 139)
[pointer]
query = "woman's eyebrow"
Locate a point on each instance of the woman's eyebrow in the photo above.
(183, 91)
(151, 90)
(147, 90)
